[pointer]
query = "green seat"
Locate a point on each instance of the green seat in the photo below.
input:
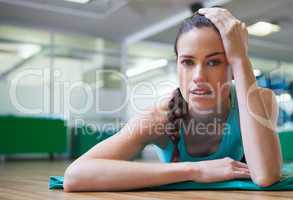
(28, 134)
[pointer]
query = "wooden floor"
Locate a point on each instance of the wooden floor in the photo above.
(28, 180)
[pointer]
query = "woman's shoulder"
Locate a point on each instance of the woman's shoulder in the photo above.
(159, 110)
(150, 122)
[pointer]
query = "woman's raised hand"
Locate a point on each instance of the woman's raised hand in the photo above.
(233, 32)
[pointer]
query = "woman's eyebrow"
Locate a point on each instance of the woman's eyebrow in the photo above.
(186, 56)
(210, 55)
(214, 54)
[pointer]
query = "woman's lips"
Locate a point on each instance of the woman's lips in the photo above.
(201, 91)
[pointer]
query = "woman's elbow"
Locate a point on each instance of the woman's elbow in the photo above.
(70, 183)
(267, 181)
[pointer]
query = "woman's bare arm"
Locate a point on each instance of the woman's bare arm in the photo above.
(258, 119)
(105, 167)
(117, 175)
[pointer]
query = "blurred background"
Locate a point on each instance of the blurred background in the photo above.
(72, 72)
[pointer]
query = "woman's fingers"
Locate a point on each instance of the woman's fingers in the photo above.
(221, 17)
(242, 171)
(218, 21)
(239, 170)
(241, 174)
(212, 9)
(241, 164)
(215, 10)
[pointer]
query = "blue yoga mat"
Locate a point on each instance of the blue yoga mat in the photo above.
(286, 183)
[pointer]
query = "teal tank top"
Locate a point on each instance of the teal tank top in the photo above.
(230, 144)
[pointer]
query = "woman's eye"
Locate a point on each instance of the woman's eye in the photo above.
(213, 63)
(187, 62)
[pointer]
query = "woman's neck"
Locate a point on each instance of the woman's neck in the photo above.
(211, 115)
(209, 124)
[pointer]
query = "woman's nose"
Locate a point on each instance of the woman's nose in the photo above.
(199, 74)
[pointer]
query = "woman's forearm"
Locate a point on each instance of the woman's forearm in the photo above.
(115, 175)
(261, 145)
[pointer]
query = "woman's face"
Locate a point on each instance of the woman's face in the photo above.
(203, 70)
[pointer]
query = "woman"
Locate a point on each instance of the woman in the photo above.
(204, 129)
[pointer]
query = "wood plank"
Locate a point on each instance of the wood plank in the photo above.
(28, 180)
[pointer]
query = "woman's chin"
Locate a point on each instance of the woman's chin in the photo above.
(202, 107)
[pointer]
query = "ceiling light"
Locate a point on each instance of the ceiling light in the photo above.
(262, 28)
(148, 67)
(79, 1)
